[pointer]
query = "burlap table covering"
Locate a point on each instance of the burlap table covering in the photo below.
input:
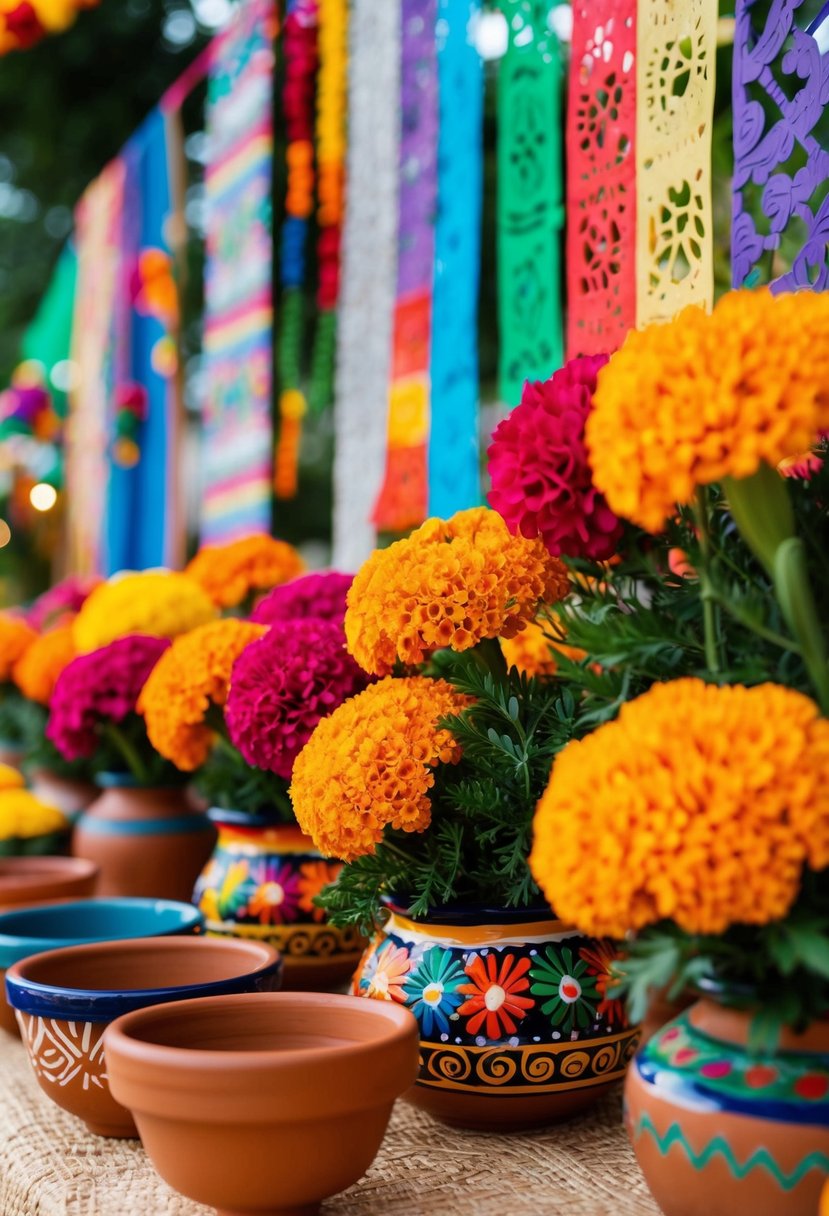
(50, 1166)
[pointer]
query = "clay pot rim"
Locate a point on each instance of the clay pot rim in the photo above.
(16, 945)
(397, 1022)
(104, 1004)
(224, 817)
(127, 781)
(28, 869)
(473, 914)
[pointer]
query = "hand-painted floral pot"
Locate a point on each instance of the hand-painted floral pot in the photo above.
(516, 1028)
(718, 1130)
(146, 842)
(260, 883)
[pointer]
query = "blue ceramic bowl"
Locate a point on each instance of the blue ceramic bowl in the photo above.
(50, 926)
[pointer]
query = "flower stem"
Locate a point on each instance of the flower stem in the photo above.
(128, 752)
(490, 657)
(762, 511)
(710, 621)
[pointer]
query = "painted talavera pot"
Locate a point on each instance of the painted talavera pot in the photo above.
(146, 842)
(260, 883)
(718, 1130)
(516, 1028)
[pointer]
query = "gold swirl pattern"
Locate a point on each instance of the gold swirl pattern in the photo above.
(529, 1068)
(296, 941)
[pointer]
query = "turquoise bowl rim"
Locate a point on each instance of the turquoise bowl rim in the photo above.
(17, 946)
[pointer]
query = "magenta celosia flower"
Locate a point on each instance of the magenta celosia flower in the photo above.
(283, 684)
(99, 688)
(320, 595)
(542, 484)
(64, 598)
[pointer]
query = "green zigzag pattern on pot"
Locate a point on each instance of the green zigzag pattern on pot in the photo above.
(760, 1158)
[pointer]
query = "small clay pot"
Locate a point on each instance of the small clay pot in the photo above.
(65, 999)
(31, 930)
(34, 880)
(147, 842)
(265, 1104)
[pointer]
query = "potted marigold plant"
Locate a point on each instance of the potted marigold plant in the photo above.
(425, 784)
(233, 702)
(18, 719)
(690, 822)
(238, 573)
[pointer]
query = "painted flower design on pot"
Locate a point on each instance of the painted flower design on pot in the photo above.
(221, 902)
(432, 990)
(568, 984)
(385, 982)
(495, 1002)
(313, 877)
(600, 958)
(276, 898)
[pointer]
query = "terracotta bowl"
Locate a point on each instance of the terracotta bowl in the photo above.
(31, 930)
(263, 1104)
(65, 999)
(34, 880)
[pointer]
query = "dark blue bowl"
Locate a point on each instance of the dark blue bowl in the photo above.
(50, 926)
(102, 980)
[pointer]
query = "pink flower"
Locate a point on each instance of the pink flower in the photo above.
(63, 599)
(321, 596)
(542, 483)
(283, 684)
(99, 688)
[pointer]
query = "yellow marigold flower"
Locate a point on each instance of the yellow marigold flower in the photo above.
(15, 639)
(709, 396)
(699, 804)
(38, 668)
(10, 778)
(158, 603)
(450, 584)
(229, 573)
(369, 765)
(188, 680)
(23, 815)
(533, 650)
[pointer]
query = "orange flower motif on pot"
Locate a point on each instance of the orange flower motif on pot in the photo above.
(393, 965)
(314, 877)
(599, 958)
(495, 1005)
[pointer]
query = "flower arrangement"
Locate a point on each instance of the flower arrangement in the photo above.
(232, 574)
(451, 584)
(687, 815)
(321, 595)
(282, 685)
(426, 782)
(36, 671)
(93, 710)
(156, 603)
(23, 23)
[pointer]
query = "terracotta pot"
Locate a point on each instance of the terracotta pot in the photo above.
(65, 999)
(148, 842)
(260, 883)
(264, 1104)
(516, 1029)
(68, 794)
(719, 1131)
(32, 929)
(661, 1010)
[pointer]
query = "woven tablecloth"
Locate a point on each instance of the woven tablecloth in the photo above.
(51, 1166)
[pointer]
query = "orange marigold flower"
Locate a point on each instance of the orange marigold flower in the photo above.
(450, 584)
(709, 396)
(155, 603)
(533, 650)
(369, 765)
(189, 679)
(15, 639)
(38, 668)
(229, 573)
(699, 805)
